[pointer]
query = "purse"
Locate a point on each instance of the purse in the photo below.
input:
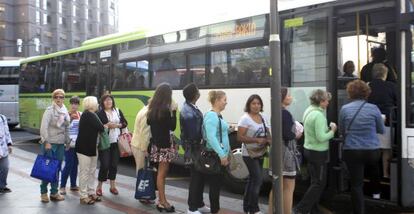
(124, 143)
(46, 168)
(145, 185)
(208, 162)
(104, 143)
(258, 151)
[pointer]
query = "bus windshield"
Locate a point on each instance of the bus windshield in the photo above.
(9, 75)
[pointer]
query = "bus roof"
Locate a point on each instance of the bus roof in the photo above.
(9, 63)
(110, 37)
(92, 45)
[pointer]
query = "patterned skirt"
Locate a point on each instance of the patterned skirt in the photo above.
(163, 154)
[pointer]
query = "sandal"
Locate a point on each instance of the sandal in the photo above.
(114, 191)
(99, 192)
(75, 189)
(87, 201)
(165, 207)
(96, 198)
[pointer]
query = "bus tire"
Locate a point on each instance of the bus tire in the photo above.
(233, 184)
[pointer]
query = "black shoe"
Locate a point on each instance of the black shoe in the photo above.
(5, 190)
(161, 208)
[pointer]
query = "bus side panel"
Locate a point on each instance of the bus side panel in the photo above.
(9, 103)
(407, 182)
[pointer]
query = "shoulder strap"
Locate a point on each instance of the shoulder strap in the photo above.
(2, 119)
(221, 137)
(264, 126)
(356, 114)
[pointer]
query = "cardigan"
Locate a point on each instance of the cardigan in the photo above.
(212, 135)
(161, 128)
(317, 133)
(141, 135)
(89, 127)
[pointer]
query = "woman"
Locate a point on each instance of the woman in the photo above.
(253, 132)
(216, 141)
(71, 161)
(5, 150)
(360, 122)
(316, 149)
(109, 158)
(348, 69)
(89, 128)
(54, 134)
(191, 121)
(161, 117)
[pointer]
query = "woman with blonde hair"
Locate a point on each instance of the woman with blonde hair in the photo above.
(54, 134)
(217, 141)
(89, 128)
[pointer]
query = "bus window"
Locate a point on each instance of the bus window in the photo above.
(131, 75)
(9, 75)
(252, 65)
(218, 73)
(169, 69)
(411, 91)
(198, 68)
(72, 74)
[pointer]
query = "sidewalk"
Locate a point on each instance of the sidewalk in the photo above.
(25, 197)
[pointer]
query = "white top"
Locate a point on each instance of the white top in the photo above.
(113, 117)
(253, 130)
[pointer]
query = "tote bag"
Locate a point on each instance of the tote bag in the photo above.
(46, 168)
(145, 186)
(124, 143)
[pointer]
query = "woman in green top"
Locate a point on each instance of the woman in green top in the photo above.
(317, 136)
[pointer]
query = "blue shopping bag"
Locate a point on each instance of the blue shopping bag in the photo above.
(145, 187)
(46, 168)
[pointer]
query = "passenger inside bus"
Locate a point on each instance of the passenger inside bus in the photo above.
(217, 78)
(349, 69)
(379, 55)
(264, 75)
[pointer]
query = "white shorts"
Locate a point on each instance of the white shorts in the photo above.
(385, 139)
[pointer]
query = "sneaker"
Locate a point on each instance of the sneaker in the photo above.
(376, 196)
(57, 197)
(258, 212)
(193, 212)
(5, 190)
(62, 191)
(44, 198)
(204, 209)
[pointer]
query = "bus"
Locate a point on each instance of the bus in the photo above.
(317, 37)
(9, 91)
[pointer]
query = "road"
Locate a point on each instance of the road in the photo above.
(179, 178)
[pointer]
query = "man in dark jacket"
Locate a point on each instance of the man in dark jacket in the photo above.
(378, 56)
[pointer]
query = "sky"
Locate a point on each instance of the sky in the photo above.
(161, 16)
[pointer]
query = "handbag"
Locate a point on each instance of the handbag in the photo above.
(258, 151)
(124, 143)
(104, 143)
(145, 185)
(46, 168)
(208, 162)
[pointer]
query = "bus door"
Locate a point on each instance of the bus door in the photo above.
(359, 30)
(406, 76)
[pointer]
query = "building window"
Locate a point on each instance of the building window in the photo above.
(45, 19)
(111, 20)
(74, 10)
(49, 19)
(98, 16)
(86, 13)
(60, 20)
(37, 3)
(60, 7)
(2, 9)
(38, 17)
(44, 4)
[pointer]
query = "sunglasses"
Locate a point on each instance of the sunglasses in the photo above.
(59, 97)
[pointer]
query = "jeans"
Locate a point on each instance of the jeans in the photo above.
(109, 159)
(70, 169)
(252, 191)
(4, 171)
(356, 161)
(57, 151)
(317, 167)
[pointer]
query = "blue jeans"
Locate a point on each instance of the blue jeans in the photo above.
(4, 170)
(57, 151)
(252, 191)
(70, 169)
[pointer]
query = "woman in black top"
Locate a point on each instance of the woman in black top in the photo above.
(162, 119)
(89, 128)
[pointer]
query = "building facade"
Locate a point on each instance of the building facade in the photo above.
(35, 27)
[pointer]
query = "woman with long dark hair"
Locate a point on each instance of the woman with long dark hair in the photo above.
(162, 120)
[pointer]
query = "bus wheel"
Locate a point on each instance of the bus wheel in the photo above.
(233, 184)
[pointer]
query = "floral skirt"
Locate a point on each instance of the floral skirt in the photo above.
(163, 154)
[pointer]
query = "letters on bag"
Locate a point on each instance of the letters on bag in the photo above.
(145, 186)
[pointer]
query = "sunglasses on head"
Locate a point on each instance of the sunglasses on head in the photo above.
(59, 97)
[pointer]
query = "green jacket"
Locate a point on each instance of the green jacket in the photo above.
(317, 133)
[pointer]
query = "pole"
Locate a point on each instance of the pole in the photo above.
(276, 119)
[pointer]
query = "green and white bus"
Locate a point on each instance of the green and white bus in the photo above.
(316, 39)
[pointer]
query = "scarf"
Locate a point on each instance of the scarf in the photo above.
(63, 114)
